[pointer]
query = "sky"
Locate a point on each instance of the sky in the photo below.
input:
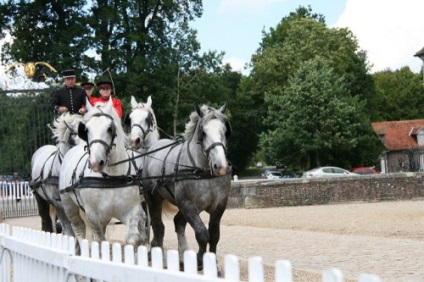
(390, 31)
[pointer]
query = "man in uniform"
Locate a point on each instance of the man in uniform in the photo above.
(70, 98)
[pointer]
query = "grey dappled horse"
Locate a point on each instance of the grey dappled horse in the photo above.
(194, 176)
(95, 179)
(45, 167)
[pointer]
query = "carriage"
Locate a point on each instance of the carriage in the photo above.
(105, 179)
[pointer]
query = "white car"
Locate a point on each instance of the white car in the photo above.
(328, 171)
(273, 174)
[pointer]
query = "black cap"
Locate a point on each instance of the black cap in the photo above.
(68, 73)
(103, 83)
(86, 84)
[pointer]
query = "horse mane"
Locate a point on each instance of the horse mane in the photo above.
(60, 125)
(208, 114)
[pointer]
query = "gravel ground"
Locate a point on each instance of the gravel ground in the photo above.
(385, 238)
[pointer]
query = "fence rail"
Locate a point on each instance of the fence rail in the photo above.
(32, 255)
(17, 200)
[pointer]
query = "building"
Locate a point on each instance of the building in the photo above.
(404, 145)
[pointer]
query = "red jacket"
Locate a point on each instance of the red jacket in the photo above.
(116, 104)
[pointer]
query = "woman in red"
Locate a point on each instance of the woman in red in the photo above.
(105, 90)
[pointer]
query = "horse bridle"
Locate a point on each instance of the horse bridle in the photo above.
(150, 127)
(107, 146)
(213, 145)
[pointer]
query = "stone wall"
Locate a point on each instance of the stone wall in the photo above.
(296, 192)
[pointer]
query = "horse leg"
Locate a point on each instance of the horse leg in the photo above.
(214, 225)
(135, 222)
(154, 203)
(180, 224)
(63, 218)
(200, 230)
(72, 211)
(43, 211)
(97, 224)
(53, 214)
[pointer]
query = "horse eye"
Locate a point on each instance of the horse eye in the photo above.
(109, 130)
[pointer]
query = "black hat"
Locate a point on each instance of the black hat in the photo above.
(87, 83)
(104, 83)
(68, 73)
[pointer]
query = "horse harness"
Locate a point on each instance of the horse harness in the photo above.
(187, 173)
(52, 180)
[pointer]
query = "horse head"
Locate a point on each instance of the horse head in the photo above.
(65, 131)
(101, 129)
(143, 125)
(213, 131)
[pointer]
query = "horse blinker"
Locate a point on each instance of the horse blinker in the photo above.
(82, 132)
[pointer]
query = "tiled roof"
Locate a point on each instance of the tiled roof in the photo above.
(399, 135)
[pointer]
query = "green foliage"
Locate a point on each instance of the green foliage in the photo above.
(400, 95)
(23, 127)
(313, 116)
(315, 119)
(51, 31)
(309, 98)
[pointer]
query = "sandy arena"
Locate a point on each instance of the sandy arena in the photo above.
(385, 238)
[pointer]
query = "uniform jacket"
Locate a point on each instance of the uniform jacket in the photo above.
(73, 98)
(116, 104)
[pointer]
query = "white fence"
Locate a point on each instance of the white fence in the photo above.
(31, 255)
(17, 200)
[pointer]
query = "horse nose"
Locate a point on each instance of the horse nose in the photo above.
(135, 143)
(220, 169)
(97, 166)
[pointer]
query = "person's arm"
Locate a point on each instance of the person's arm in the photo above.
(83, 102)
(55, 102)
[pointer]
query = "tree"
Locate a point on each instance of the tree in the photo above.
(298, 38)
(400, 95)
(316, 121)
(51, 32)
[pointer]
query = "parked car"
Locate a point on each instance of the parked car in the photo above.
(365, 170)
(273, 174)
(291, 174)
(328, 171)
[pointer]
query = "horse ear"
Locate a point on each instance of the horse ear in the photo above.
(199, 111)
(223, 108)
(88, 105)
(82, 132)
(133, 102)
(149, 101)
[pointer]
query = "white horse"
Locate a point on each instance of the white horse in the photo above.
(96, 179)
(144, 130)
(45, 167)
(144, 133)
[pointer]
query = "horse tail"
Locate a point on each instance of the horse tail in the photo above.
(168, 209)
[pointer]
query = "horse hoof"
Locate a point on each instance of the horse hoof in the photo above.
(58, 227)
